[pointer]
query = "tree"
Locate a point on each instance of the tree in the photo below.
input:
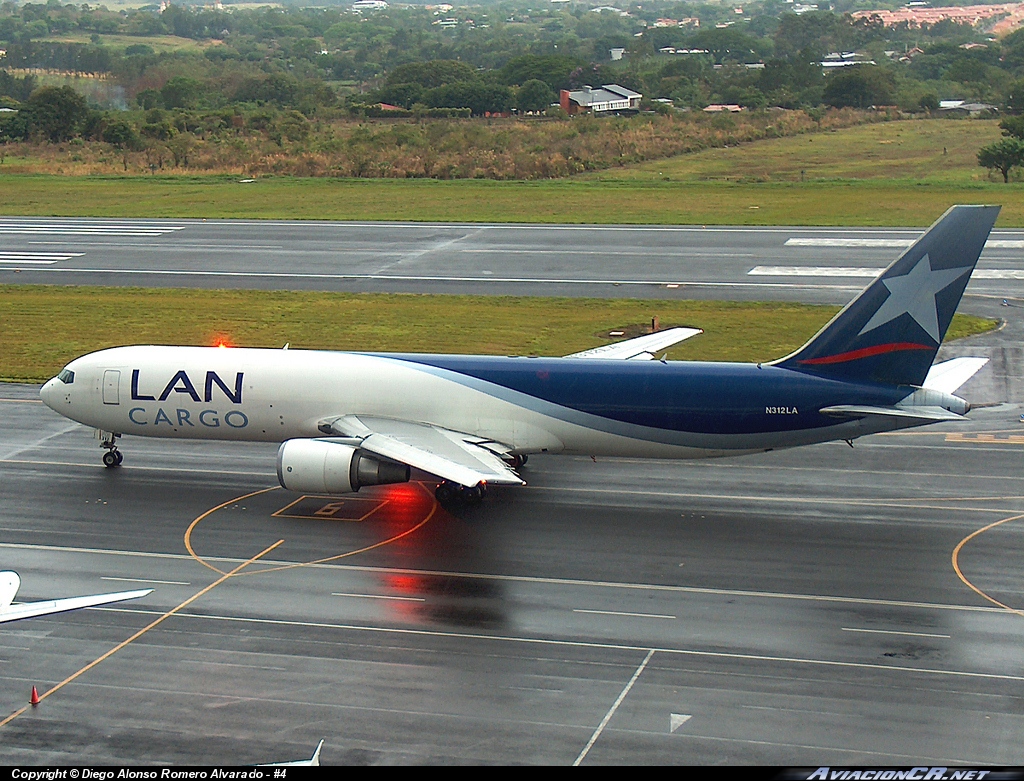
(534, 95)
(552, 69)
(1004, 154)
(818, 31)
(1013, 126)
(1015, 97)
(181, 92)
(56, 112)
(120, 132)
(929, 102)
(434, 73)
(859, 86)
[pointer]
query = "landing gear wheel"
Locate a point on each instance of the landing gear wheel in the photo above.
(473, 495)
(111, 459)
(120, 456)
(445, 494)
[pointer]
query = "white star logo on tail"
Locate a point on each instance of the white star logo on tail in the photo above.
(914, 294)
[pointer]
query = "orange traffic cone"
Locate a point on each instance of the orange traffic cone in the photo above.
(34, 699)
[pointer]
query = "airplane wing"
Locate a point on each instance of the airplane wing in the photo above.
(9, 612)
(642, 348)
(461, 458)
(948, 376)
(917, 414)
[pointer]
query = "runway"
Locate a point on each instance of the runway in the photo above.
(825, 605)
(634, 261)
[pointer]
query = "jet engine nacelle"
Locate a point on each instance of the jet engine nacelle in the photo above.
(323, 467)
(926, 397)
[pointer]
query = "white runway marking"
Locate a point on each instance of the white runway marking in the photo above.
(621, 613)
(233, 664)
(865, 271)
(676, 720)
(37, 258)
(893, 632)
(378, 596)
(142, 580)
(87, 229)
(611, 711)
(894, 243)
(814, 271)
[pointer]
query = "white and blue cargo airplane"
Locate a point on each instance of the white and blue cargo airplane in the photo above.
(347, 420)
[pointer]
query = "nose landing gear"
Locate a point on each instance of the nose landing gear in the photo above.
(113, 457)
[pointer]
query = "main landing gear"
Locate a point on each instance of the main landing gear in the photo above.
(113, 457)
(450, 495)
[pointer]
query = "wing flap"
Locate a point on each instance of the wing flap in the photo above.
(461, 458)
(642, 348)
(948, 376)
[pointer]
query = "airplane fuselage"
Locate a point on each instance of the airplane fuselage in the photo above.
(592, 407)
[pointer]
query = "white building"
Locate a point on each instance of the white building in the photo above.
(609, 99)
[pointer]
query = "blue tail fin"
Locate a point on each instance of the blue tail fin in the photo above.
(891, 331)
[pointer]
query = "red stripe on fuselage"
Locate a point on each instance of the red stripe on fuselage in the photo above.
(866, 352)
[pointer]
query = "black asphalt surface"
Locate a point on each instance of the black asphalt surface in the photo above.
(825, 605)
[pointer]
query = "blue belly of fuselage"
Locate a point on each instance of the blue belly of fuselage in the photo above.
(680, 396)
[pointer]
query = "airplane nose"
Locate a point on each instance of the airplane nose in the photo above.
(48, 393)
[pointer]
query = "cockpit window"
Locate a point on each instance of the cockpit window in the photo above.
(67, 376)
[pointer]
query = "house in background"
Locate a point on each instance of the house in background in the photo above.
(607, 99)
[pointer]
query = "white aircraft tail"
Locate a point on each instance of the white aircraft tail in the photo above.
(9, 585)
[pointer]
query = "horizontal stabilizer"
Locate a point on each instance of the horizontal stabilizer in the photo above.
(922, 414)
(33, 609)
(313, 761)
(950, 375)
(461, 458)
(642, 348)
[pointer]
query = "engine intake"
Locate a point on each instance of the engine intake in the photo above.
(325, 467)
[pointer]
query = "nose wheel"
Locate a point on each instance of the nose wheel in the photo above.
(113, 457)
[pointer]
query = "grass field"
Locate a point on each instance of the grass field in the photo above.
(160, 43)
(871, 202)
(44, 327)
(937, 152)
(882, 174)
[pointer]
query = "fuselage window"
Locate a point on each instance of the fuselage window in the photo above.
(66, 376)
